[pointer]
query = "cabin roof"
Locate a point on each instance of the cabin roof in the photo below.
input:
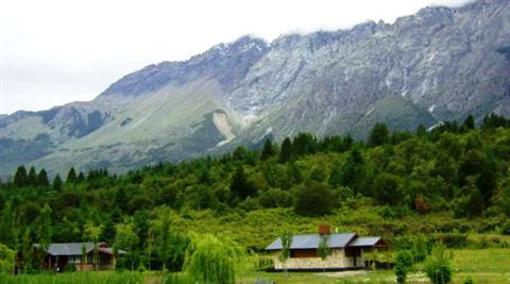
(312, 241)
(69, 248)
(365, 242)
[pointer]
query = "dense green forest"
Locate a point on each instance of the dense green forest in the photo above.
(454, 178)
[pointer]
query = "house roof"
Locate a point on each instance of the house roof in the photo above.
(69, 248)
(311, 241)
(365, 242)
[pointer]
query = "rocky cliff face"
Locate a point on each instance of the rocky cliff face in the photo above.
(440, 64)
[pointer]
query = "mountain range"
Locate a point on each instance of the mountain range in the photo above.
(440, 64)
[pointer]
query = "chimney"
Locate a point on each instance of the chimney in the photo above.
(324, 229)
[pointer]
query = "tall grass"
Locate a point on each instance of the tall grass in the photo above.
(109, 277)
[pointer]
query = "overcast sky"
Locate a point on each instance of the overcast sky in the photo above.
(54, 52)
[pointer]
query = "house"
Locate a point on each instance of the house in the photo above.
(347, 251)
(60, 255)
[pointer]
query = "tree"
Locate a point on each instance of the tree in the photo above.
(7, 258)
(240, 185)
(324, 250)
(42, 179)
(213, 260)
(387, 189)
(32, 179)
(286, 240)
(438, 267)
(71, 176)
(160, 228)
(125, 238)
(285, 151)
(57, 183)
(44, 228)
(314, 199)
(469, 123)
(379, 135)
(268, 151)
(8, 225)
(93, 232)
(403, 264)
(20, 177)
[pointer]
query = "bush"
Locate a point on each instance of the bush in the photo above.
(314, 199)
(506, 229)
(438, 267)
(6, 259)
(420, 249)
(403, 264)
(453, 240)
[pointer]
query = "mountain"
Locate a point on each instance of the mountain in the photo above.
(439, 64)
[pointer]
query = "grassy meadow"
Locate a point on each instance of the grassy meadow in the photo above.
(481, 265)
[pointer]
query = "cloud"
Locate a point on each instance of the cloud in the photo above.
(57, 51)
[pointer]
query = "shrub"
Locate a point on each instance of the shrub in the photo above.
(420, 249)
(438, 267)
(506, 229)
(453, 240)
(403, 264)
(314, 199)
(6, 259)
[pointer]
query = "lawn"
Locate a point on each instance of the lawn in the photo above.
(481, 265)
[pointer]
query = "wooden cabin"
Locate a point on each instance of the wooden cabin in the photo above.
(347, 251)
(80, 255)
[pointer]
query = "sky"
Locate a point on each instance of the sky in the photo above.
(54, 52)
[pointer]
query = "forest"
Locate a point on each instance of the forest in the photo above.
(446, 182)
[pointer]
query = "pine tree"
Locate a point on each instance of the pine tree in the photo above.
(240, 185)
(43, 178)
(57, 183)
(286, 151)
(32, 178)
(20, 177)
(71, 176)
(81, 177)
(379, 135)
(268, 151)
(469, 123)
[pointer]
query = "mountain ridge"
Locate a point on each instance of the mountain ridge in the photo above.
(440, 64)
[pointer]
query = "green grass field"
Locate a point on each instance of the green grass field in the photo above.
(481, 265)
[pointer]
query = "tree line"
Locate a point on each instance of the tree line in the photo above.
(461, 168)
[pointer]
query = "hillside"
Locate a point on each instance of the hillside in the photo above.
(439, 64)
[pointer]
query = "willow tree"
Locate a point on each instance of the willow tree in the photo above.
(214, 260)
(7, 258)
(324, 250)
(286, 239)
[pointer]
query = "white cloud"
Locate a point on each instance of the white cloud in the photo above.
(56, 51)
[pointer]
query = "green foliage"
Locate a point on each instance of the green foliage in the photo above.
(268, 151)
(286, 151)
(214, 260)
(403, 264)
(324, 250)
(314, 199)
(438, 266)
(240, 185)
(379, 135)
(6, 259)
(286, 240)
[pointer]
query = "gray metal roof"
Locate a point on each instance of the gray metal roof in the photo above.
(311, 241)
(68, 248)
(365, 242)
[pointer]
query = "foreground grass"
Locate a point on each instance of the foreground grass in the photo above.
(481, 265)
